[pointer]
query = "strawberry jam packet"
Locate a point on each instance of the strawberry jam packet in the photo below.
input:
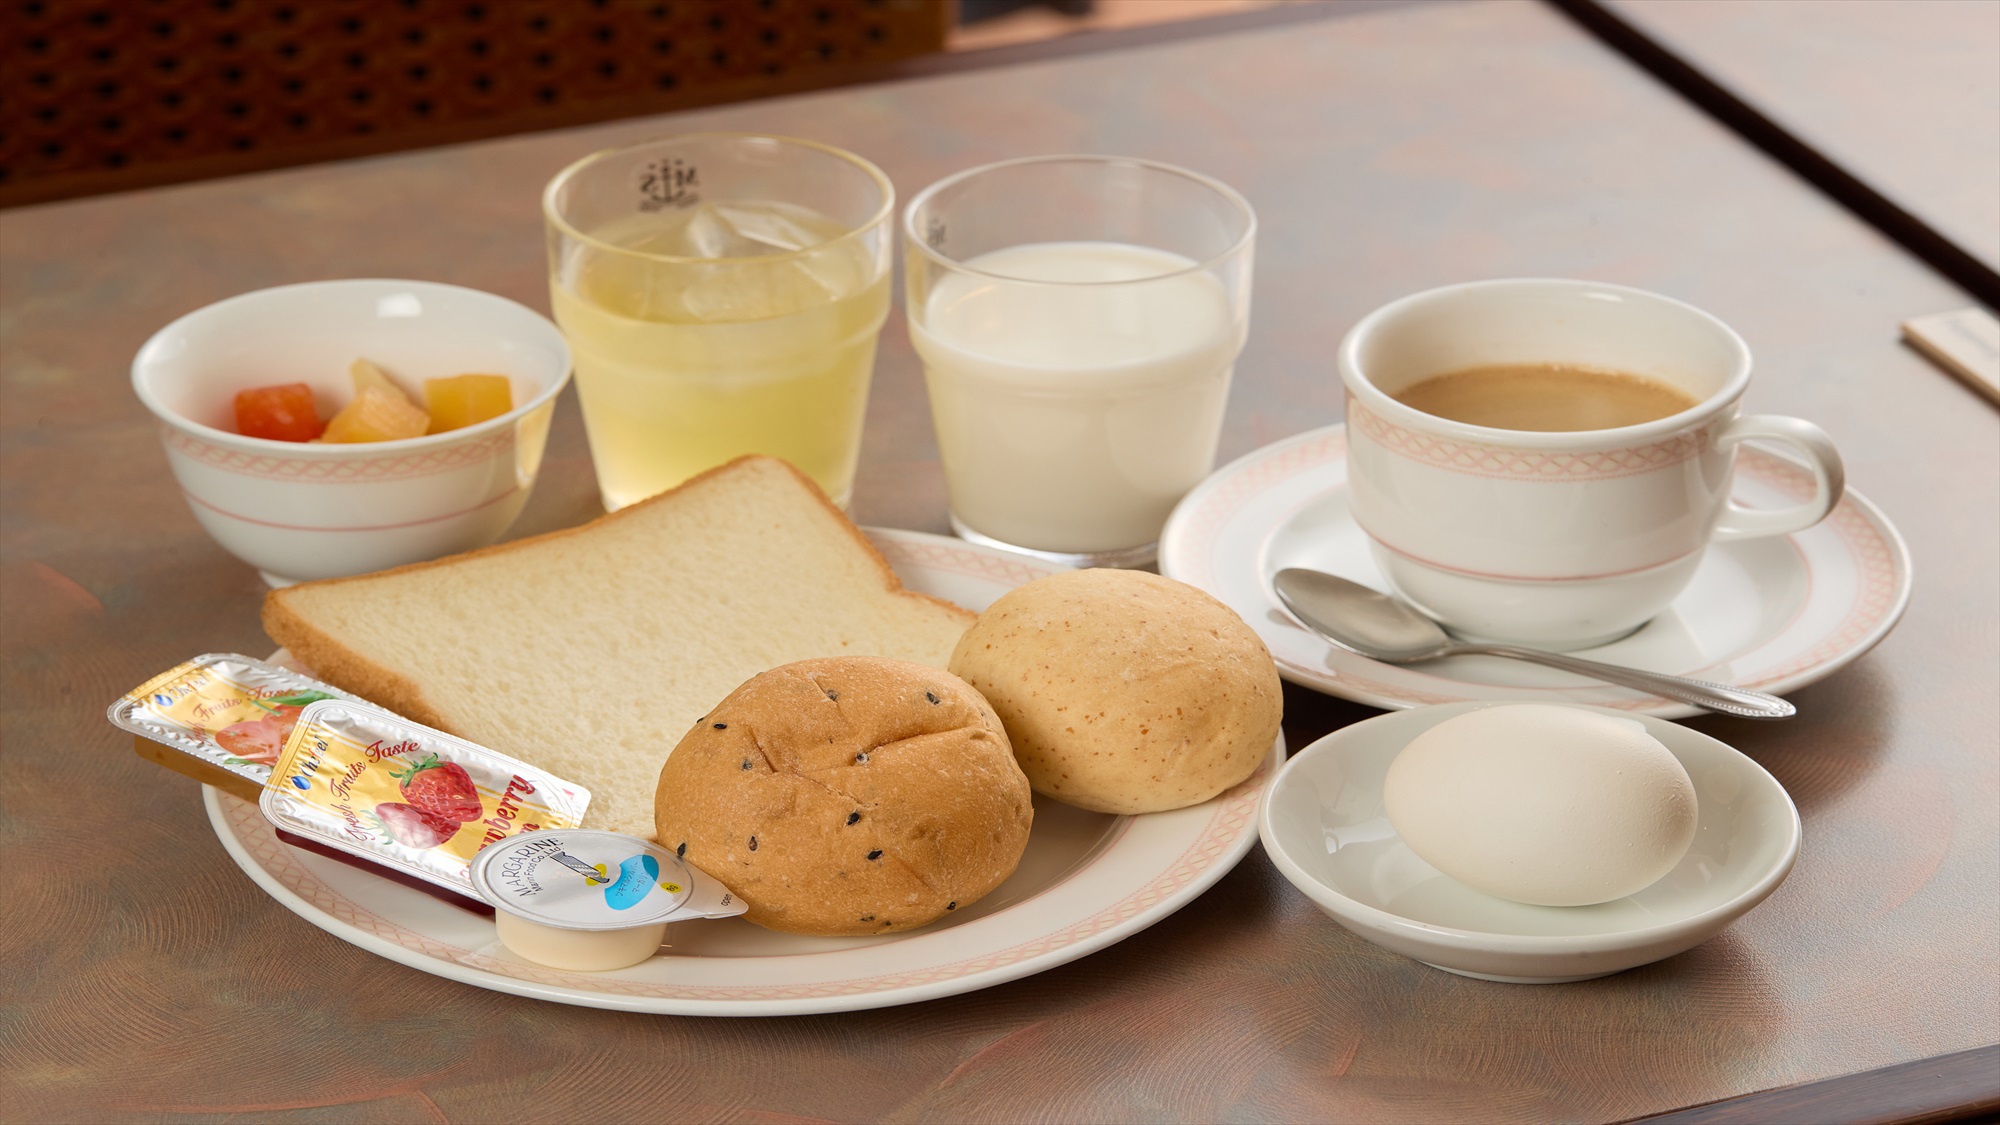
(220, 718)
(414, 800)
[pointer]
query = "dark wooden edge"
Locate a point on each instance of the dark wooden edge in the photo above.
(54, 189)
(1280, 14)
(1874, 208)
(1960, 1087)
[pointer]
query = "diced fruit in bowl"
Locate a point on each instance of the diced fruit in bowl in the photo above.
(303, 510)
(463, 400)
(280, 413)
(381, 409)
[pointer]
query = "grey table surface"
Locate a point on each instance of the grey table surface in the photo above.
(1904, 94)
(1385, 153)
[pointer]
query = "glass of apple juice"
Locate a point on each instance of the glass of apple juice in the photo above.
(722, 294)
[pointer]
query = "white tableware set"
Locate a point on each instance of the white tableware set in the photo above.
(1079, 320)
(1668, 545)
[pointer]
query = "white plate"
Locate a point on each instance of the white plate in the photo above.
(1324, 827)
(1087, 880)
(1772, 614)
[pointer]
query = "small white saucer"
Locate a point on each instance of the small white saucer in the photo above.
(1771, 614)
(1322, 824)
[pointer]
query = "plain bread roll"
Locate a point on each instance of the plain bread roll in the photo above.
(1124, 692)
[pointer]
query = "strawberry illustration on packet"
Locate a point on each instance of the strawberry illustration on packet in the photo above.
(411, 826)
(442, 789)
(374, 785)
(438, 796)
(262, 738)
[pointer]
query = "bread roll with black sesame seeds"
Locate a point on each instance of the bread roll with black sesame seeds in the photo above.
(851, 795)
(1124, 692)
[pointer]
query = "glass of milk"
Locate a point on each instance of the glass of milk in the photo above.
(1078, 318)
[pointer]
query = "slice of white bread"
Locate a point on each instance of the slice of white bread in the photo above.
(591, 651)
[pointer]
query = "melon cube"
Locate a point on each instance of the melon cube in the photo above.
(465, 399)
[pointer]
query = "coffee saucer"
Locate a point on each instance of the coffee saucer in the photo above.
(1771, 614)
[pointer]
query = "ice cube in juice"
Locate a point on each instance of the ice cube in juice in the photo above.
(718, 330)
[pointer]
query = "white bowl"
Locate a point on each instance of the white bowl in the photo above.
(296, 510)
(1323, 825)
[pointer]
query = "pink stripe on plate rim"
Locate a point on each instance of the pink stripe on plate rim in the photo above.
(1235, 813)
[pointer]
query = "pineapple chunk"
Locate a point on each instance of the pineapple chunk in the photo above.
(465, 399)
(366, 375)
(377, 415)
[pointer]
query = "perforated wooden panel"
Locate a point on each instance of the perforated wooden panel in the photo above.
(102, 93)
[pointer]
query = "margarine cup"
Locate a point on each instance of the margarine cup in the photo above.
(1557, 539)
(591, 901)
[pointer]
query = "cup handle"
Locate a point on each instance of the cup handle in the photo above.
(1829, 477)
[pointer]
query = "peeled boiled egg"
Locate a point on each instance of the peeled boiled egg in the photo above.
(1543, 804)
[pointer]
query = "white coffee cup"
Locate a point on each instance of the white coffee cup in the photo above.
(1557, 539)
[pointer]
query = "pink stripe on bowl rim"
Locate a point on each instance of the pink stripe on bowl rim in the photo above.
(343, 470)
(489, 502)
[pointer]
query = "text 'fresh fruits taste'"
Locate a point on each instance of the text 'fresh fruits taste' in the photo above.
(438, 797)
(376, 751)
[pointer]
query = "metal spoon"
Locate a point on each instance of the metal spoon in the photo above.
(1380, 627)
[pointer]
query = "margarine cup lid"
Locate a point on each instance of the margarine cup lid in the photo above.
(583, 879)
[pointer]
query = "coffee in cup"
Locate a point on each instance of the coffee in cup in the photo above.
(1545, 397)
(1545, 461)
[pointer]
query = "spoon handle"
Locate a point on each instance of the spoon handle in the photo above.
(1728, 700)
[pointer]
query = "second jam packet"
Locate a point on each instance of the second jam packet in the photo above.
(415, 800)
